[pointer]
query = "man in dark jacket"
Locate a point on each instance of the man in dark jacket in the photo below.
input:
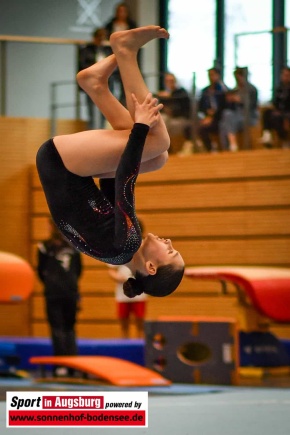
(59, 268)
(210, 106)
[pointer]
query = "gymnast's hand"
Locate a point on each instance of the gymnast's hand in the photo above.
(148, 111)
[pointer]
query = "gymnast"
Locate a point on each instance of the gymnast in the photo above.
(101, 221)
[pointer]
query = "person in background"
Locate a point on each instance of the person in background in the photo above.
(177, 108)
(120, 21)
(59, 268)
(277, 117)
(210, 106)
(241, 110)
(127, 307)
(89, 54)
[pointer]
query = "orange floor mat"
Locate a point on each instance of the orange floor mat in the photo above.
(114, 370)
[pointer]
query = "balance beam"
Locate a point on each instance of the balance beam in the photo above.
(114, 370)
(268, 288)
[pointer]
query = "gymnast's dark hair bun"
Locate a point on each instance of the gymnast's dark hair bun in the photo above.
(132, 288)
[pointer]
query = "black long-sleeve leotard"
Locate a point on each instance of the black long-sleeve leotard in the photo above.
(100, 222)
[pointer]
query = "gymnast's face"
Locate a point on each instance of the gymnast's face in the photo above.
(161, 252)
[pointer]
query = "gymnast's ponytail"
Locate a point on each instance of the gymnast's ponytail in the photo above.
(163, 283)
(132, 288)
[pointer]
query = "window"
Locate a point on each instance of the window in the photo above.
(191, 47)
(248, 42)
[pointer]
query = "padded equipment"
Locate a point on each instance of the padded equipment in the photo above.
(195, 349)
(27, 347)
(114, 370)
(9, 360)
(262, 349)
(268, 288)
(16, 278)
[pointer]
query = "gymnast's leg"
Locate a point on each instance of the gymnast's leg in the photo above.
(94, 81)
(98, 152)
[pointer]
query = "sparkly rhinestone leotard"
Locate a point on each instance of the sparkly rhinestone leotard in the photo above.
(99, 221)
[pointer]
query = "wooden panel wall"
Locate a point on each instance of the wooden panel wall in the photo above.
(227, 208)
(20, 138)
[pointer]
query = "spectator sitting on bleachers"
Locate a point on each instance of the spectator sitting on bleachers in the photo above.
(177, 108)
(241, 110)
(210, 105)
(277, 117)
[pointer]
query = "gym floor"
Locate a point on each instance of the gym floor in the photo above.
(185, 409)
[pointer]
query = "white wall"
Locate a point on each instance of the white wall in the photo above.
(31, 68)
(148, 14)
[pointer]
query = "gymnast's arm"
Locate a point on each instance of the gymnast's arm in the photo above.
(127, 229)
(126, 223)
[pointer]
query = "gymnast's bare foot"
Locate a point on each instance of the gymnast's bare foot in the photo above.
(95, 78)
(132, 40)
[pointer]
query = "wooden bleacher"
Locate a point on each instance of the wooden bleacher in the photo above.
(227, 208)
